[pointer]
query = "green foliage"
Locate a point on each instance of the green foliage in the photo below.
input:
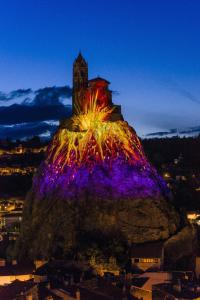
(101, 245)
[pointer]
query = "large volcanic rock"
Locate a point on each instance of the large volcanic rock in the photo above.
(54, 225)
(95, 183)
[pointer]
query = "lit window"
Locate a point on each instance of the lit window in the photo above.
(149, 260)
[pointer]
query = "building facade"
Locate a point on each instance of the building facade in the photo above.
(84, 90)
(148, 256)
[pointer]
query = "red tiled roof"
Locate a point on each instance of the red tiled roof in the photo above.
(99, 79)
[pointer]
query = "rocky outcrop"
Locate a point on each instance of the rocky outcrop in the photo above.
(180, 249)
(52, 227)
(148, 220)
(96, 192)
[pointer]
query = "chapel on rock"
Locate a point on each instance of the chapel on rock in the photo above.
(83, 88)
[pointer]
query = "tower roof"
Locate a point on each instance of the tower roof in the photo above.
(80, 59)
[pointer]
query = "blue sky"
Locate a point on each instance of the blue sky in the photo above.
(148, 49)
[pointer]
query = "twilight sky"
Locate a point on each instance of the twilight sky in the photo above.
(148, 49)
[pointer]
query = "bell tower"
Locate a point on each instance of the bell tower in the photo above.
(80, 80)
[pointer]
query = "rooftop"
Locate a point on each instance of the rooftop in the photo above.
(19, 269)
(10, 291)
(147, 250)
(186, 293)
(99, 79)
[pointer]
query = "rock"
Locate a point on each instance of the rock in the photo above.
(179, 250)
(148, 220)
(96, 191)
(50, 226)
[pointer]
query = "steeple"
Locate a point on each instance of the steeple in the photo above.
(80, 58)
(80, 72)
(80, 78)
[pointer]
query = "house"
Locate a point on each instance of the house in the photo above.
(17, 290)
(176, 291)
(20, 272)
(147, 256)
(142, 285)
(75, 281)
(197, 263)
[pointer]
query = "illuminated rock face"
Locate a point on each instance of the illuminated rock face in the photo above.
(96, 178)
(95, 156)
(117, 181)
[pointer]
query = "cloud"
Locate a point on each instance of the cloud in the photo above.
(191, 131)
(162, 133)
(25, 130)
(187, 94)
(45, 96)
(51, 95)
(19, 93)
(14, 94)
(40, 105)
(18, 113)
(31, 110)
(36, 114)
(3, 97)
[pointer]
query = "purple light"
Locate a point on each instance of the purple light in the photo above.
(113, 181)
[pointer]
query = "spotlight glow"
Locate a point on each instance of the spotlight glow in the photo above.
(93, 138)
(95, 156)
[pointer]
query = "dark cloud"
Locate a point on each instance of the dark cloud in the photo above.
(51, 95)
(41, 97)
(191, 131)
(14, 94)
(28, 118)
(18, 113)
(27, 101)
(25, 130)
(19, 93)
(46, 104)
(162, 133)
(3, 97)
